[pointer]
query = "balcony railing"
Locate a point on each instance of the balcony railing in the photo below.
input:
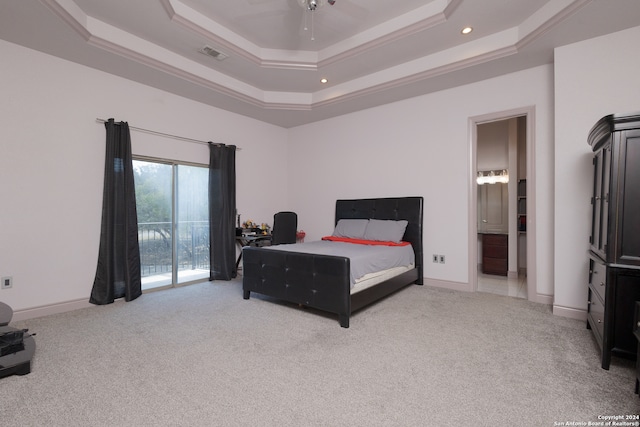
(156, 242)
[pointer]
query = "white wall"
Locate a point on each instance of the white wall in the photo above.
(593, 78)
(52, 165)
(421, 146)
(493, 146)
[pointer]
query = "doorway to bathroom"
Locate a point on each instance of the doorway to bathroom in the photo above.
(501, 242)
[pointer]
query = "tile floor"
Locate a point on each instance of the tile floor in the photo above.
(502, 285)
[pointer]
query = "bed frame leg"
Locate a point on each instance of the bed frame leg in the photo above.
(246, 294)
(344, 320)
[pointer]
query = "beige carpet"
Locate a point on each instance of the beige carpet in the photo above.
(202, 356)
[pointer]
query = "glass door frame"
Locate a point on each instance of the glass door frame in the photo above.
(174, 219)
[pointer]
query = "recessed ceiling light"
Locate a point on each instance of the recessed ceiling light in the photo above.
(324, 81)
(466, 30)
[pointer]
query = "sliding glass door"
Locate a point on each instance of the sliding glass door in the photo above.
(192, 223)
(173, 222)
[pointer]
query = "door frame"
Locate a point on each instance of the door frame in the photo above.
(473, 122)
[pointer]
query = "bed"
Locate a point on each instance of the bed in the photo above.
(324, 281)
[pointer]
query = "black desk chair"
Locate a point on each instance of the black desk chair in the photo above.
(285, 225)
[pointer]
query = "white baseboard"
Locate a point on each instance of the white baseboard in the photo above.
(572, 313)
(46, 310)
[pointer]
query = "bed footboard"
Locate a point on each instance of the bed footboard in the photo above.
(317, 281)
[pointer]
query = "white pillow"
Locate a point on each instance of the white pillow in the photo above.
(385, 230)
(351, 228)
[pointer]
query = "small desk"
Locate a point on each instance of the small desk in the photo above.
(250, 240)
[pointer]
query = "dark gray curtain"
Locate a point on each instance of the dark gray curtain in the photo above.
(222, 211)
(118, 271)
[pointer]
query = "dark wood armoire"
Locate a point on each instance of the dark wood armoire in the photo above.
(614, 258)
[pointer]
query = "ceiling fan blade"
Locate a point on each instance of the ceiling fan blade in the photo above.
(349, 7)
(284, 11)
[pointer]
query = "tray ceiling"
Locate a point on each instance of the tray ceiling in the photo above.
(371, 51)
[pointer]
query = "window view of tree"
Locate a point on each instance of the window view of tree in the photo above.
(153, 182)
(157, 222)
(153, 191)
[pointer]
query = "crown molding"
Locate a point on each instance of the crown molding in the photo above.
(420, 76)
(126, 45)
(165, 67)
(208, 29)
(399, 34)
(71, 14)
(547, 18)
(420, 20)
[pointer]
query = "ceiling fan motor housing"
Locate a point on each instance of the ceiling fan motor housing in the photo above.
(314, 4)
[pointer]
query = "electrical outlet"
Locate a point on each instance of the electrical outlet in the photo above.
(435, 258)
(7, 282)
(441, 259)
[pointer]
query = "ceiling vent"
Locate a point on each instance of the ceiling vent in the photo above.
(209, 51)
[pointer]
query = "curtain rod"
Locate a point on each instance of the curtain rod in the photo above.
(181, 138)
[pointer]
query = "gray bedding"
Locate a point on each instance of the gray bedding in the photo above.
(364, 259)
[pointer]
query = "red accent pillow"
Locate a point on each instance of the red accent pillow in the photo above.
(363, 242)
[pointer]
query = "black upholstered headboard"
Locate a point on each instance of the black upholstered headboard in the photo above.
(396, 208)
